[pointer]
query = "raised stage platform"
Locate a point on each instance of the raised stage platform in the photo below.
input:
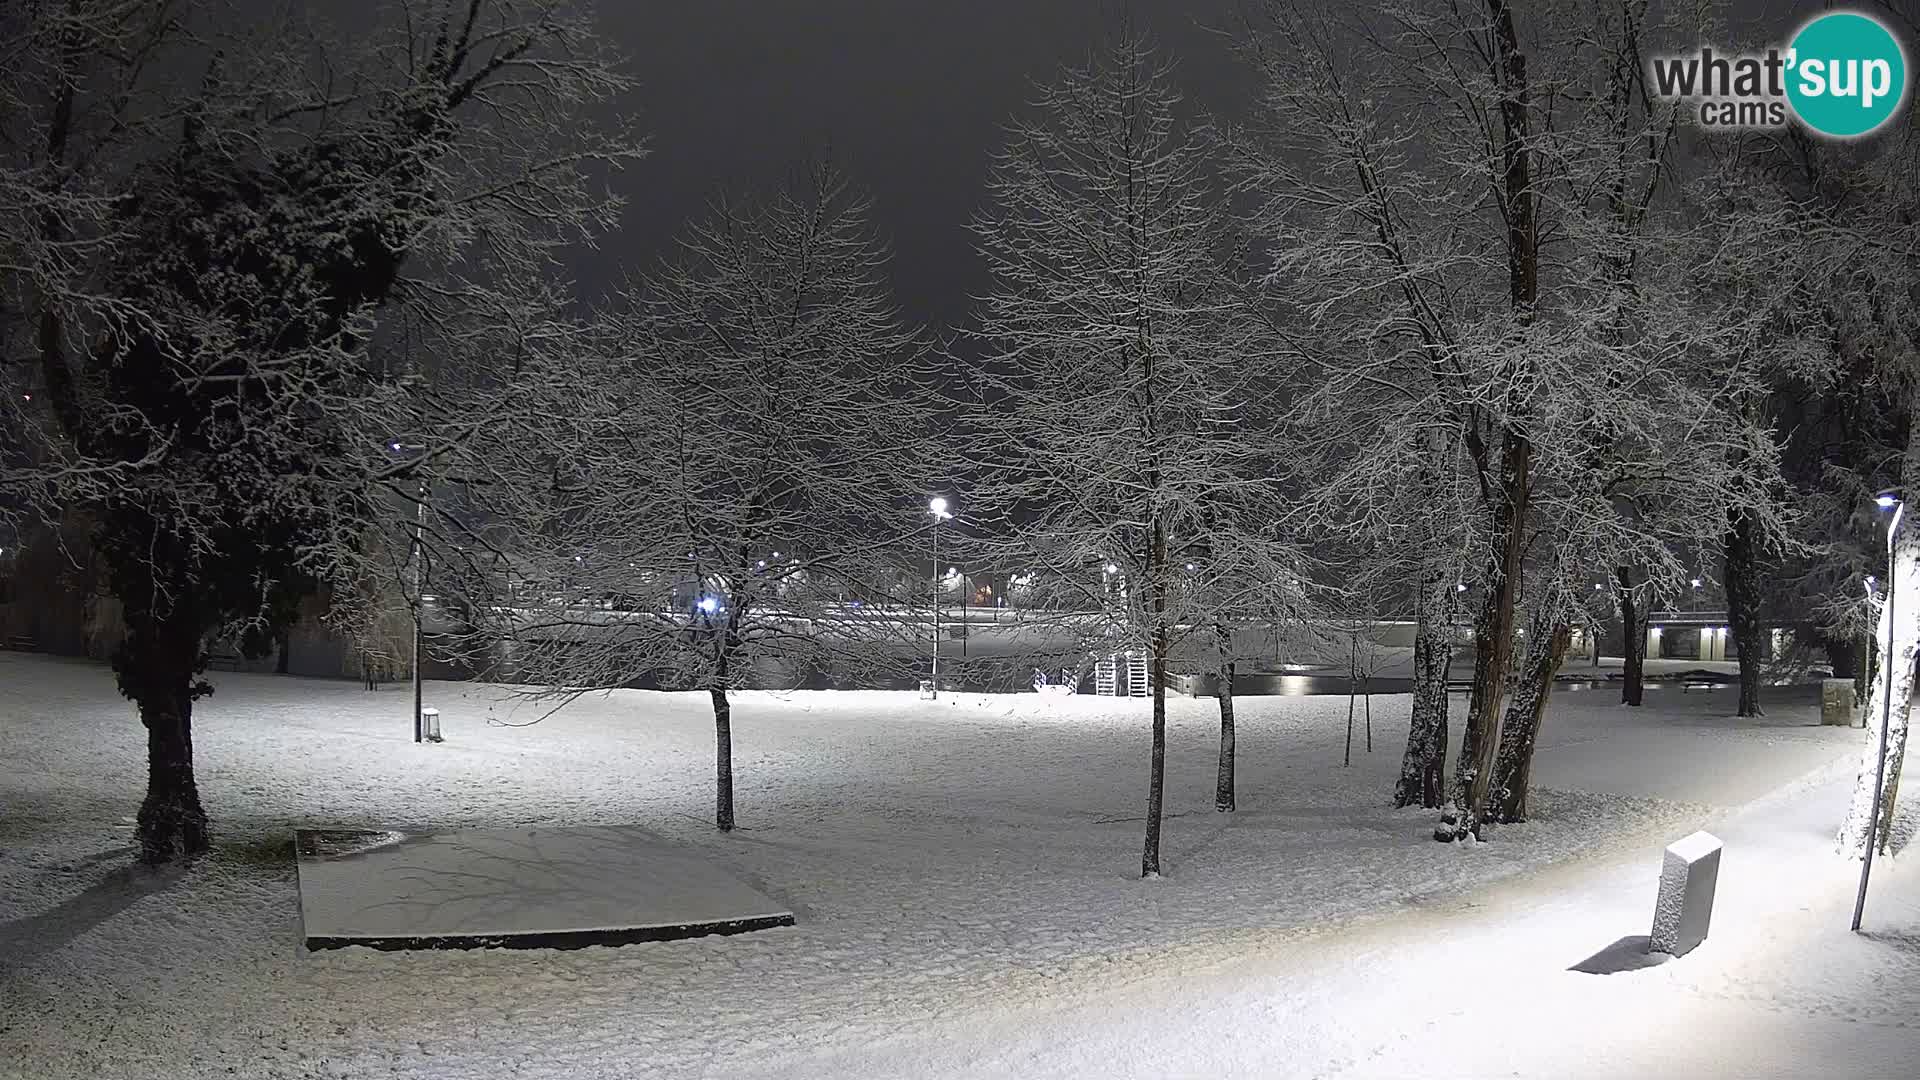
(534, 888)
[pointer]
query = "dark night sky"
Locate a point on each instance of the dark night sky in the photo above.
(908, 94)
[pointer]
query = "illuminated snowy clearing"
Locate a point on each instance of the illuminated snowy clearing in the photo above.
(948, 862)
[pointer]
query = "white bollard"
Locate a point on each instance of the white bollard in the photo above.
(1685, 906)
(1836, 702)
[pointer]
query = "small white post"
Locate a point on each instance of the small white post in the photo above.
(1685, 905)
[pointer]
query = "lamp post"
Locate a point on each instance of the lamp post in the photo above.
(1886, 501)
(417, 556)
(937, 506)
(963, 612)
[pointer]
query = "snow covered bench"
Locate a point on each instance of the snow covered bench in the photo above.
(1701, 680)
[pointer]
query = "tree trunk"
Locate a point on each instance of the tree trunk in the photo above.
(1223, 786)
(171, 819)
(1423, 769)
(1742, 566)
(1547, 645)
(1493, 642)
(722, 759)
(1157, 776)
(1511, 497)
(1633, 640)
(1353, 681)
(156, 665)
(1347, 760)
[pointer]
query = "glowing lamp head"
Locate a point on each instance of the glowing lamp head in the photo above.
(938, 506)
(709, 605)
(1696, 583)
(1885, 502)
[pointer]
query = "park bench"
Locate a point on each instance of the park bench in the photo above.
(1701, 680)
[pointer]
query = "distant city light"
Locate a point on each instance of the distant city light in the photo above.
(1190, 567)
(1462, 587)
(1597, 586)
(1112, 569)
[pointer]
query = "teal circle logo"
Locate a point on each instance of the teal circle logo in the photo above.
(1847, 74)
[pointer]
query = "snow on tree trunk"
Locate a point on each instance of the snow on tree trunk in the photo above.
(1547, 645)
(1423, 769)
(1743, 604)
(1903, 624)
(1633, 640)
(1223, 794)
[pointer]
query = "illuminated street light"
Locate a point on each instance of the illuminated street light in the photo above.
(937, 506)
(1886, 500)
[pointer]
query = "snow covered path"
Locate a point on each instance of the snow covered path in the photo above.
(1780, 989)
(960, 870)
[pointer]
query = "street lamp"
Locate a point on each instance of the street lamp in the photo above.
(1886, 501)
(937, 506)
(418, 556)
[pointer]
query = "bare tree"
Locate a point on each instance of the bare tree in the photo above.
(727, 490)
(1542, 390)
(1363, 229)
(1120, 355)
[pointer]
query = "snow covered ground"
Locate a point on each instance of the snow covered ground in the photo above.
(965, 876)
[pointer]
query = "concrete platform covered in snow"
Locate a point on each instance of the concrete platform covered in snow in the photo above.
(543, 887)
